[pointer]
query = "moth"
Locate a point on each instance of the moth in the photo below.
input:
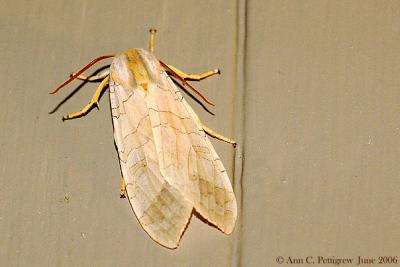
(169, 167)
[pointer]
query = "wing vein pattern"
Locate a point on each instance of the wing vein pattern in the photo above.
(169, 165)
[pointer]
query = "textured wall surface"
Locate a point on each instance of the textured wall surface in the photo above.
(309, 89)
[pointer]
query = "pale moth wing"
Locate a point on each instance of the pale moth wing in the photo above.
(168, 164)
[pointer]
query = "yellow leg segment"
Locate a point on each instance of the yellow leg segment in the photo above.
(99, 76)
(214, 134)
(93, 101)
(151, 43)
(218, 136)
(82, 77)
(194, 77)
(123, 189)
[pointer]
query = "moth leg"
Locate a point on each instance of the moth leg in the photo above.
(214, 134)
(218, 136)
(123, 188)
(194, 77)
(93, 101)
(151, 43)
(101, 75)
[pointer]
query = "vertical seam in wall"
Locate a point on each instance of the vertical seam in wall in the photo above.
(239, 112)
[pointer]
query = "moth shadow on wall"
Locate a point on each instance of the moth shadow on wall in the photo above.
(83, 83)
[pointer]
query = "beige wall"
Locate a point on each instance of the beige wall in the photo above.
(310, 89)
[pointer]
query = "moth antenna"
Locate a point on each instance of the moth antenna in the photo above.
(165, 66)
(74, 76)
(151, 44)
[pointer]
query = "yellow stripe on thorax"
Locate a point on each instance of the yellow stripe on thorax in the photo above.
(136, 64)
